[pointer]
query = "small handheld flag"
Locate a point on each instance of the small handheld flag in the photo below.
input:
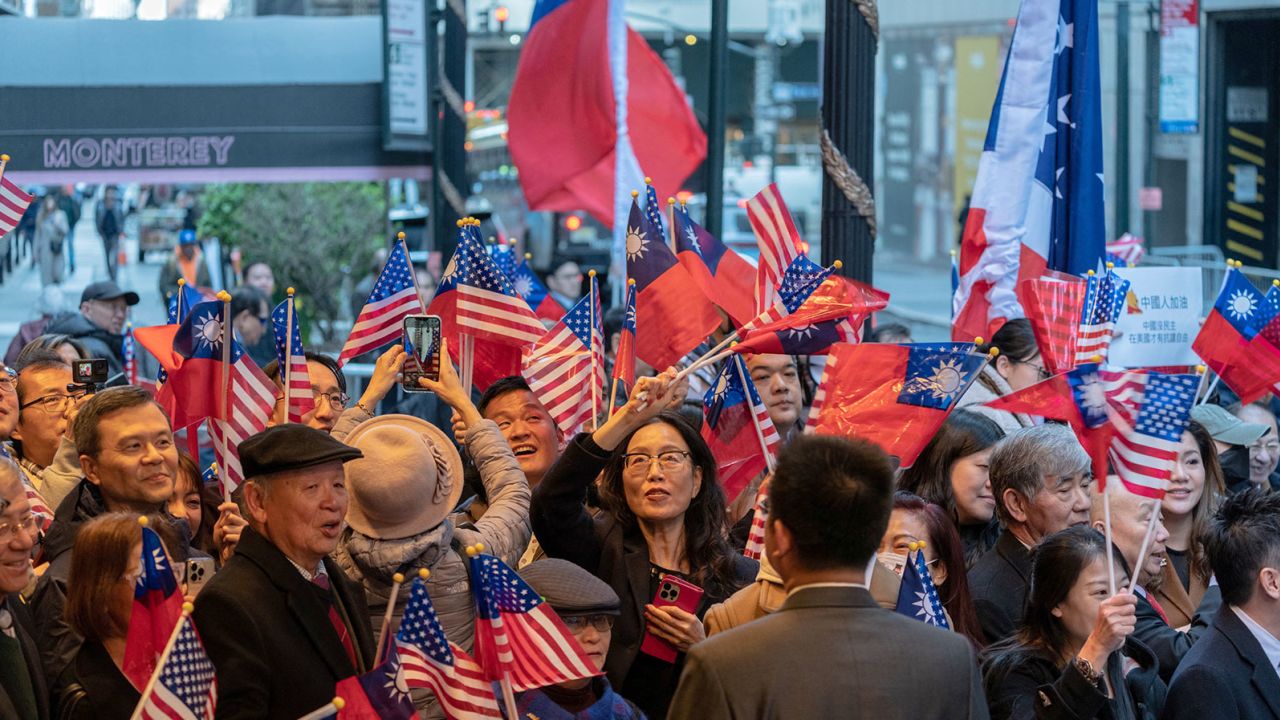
(565, 369)
(394, 297)
(291, 360)
(917, 596)
(737, 428)
(157, 606)
(184, 686)
(778, 239)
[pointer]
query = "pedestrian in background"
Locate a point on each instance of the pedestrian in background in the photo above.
(109, 219)
(51, 237)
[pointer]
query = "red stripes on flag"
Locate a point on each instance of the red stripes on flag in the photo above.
(779, 242)
(13, 203)
(463, 690)
(503, 318)
(755, 539)
(379, 323)
(252, 399)
(537, 638)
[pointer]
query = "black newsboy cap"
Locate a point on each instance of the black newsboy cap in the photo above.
(291, 447)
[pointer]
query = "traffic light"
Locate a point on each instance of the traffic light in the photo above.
(572, 223)
(501, 14)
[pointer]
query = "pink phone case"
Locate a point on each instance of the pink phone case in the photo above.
(671, 591)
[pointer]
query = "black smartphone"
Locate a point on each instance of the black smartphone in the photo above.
(422, 347)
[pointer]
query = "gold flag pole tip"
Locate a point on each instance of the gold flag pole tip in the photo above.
(290, 292)
(631, 281)
(339, 703)
(400, 235)
(648, 181)
(635, 194)
(1201, 369)
(398, 578)
(528, 256)
(424, 573)
(4, 158)
(182, 281)
(188, 608)
(224, 296)
(838, 264)
(142, 520)
(591, 273)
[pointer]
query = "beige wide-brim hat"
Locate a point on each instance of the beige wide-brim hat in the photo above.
(408, 481)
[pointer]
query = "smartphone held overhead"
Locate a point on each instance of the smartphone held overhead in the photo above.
(422, 350)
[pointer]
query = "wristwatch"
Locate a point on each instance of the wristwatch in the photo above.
(1086, 669)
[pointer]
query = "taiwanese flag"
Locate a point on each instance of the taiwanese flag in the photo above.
(1054, 306)
(490, 360)
(157, 607)
(896, 396)
(721, 273)
(737, 428)
(624, 356)
(529, 287)
(1078, 398)
(1227, 344)
(193, 361)
(673, 316)
(563, 112)
(815, 311)
(380, 694)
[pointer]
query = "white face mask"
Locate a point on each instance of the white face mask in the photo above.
(892, 560)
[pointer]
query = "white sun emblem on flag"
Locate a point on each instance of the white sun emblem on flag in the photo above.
(523, 286)
(1242, 305)
(692, 237)
(635, 243)
(946, 380)
(451, 269)
(924, 609)
(722, 387)
(804, 332)
(1093, 395)
(210, 332)
(396, 686)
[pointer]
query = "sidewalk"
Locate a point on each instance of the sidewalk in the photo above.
(21, 290)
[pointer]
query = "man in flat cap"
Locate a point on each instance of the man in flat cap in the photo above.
(281, 622)
(588, 607)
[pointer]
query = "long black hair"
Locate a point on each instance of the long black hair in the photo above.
(1056, 565)
(706, 527)
(964, 433)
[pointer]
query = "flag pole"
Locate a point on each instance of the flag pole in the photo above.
(1146, 543)
(164, 657)
(671, 222)
(286, 365)
(769, 460)
(4, 161)
(385, 633)
(413, 276)
(1106, 526)
(225, 390)
(182, 284)
(508, 696)
(591, 350)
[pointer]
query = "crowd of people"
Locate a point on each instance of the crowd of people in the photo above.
(1043, 618)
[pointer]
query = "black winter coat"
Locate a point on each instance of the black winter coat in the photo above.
(1038, 688)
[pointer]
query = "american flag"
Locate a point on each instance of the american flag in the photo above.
(800, 278)
(504, 256)
(1103, 304)
(252, 400)
(565, 369)
(429, 660)
(39, 508)
(394, 297)
(735, 421)
(130, 353)
(1126, 250)
(488, 306)
(519, 635)
(13, 203)
(624, 356)
(759, 516)
(1149, 411)
(778, 239)
(653, 210)
(186, 688)
(292, 360)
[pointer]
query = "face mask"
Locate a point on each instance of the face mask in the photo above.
(892, 560)
(1235, 464)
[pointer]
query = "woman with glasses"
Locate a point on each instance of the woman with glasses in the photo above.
(914, 519)
(105, 567)
(1018, 365)
(664, 516)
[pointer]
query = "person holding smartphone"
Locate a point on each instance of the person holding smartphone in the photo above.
(664, 535)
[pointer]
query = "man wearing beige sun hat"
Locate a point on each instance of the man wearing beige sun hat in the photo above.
(401, 493)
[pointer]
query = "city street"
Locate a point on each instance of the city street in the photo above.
(20, 291)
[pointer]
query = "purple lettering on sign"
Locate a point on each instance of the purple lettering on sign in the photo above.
(137, 152)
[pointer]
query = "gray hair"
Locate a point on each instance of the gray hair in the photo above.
(10, 482)
(1025, 458)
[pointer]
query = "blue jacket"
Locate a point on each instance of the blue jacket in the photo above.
(534, 704)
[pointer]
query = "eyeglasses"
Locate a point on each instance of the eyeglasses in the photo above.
(9, 380)
(578, 623)
(1040, 369)
(639, 462)
(337, 400)
(9, 530)
(55, 404)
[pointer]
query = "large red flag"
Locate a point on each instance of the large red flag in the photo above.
(563, 112)
(896, 396)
